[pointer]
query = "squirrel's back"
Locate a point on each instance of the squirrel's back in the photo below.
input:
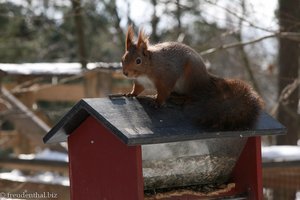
(226, 104)
(177, 60)
(177, 53)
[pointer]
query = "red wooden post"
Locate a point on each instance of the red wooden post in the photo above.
(248, 171)
(102, 167)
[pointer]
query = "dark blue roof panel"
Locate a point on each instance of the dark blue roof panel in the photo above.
(136, 122)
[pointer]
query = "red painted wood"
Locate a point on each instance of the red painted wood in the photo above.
(248, 171)
(101, 166)
(104, 168)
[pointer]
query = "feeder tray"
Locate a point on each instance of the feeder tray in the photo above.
(199, 162)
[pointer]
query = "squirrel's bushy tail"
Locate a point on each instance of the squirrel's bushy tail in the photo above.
(228, 104)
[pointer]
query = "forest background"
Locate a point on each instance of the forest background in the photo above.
(257, 42)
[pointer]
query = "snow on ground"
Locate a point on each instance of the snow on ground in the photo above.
(41, 68)
(281, 153)
(51, 68)
(46, 154)
(41, 177)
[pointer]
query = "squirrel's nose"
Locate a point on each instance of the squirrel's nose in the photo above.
(125, 73)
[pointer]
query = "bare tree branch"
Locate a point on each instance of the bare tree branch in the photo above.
(288, 35)
(241, 18)
(236, 44)
(284, 95)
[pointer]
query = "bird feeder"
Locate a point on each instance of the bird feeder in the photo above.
(123, 148)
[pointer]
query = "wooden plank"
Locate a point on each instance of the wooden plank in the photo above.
(28, 98)
(70, 92)
(268, 165)
(67, 92)
(16, 141)
(105, 84)
(9, 139)
(284, 177)
(34, 165)
(91, 84)
(26, 122)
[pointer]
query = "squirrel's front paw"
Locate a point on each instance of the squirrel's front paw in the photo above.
(130, 95)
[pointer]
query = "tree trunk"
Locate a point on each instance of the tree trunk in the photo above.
(154, 22)
(178, 14)
(111, 7)
(244, 55)
(289, 17)
(77, 11)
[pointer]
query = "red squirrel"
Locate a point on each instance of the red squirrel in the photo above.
(173, 67)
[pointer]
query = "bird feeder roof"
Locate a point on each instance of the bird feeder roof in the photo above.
(135, 122)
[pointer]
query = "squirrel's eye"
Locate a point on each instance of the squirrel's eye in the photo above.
(138, 61)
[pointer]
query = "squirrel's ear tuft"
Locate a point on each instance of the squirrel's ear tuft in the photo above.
(129, 38)
(143, 40)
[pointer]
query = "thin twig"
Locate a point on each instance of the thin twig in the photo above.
(236, 44)
(285, 94)
(287, 35)
(241, 18)
(27, 84)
